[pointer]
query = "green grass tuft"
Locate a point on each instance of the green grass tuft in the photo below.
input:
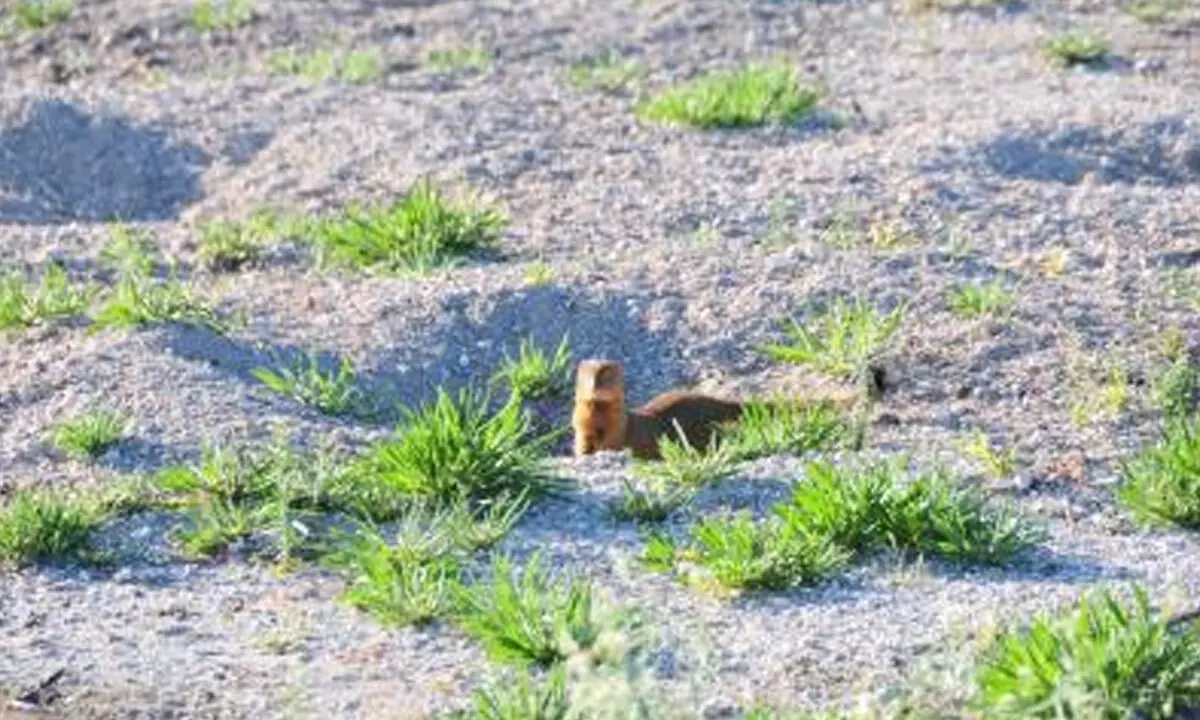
(332, 391)
(210, 15)
(226, 245)
(1106, 659)
(55, 297)
(1176, 390)
(841, 340)
(40, 527)
(354, 67)
(650, 502)
(607, 72)
(1076, 48)
(978, 299)
(1161, 484)
(681, 464)
(458, 59)
(532, 374)
(526, 617)
(457, 448)
(41, 14)
(522, 699)
(89, 435)
(748, 96)
(779, 427)
(416, 233)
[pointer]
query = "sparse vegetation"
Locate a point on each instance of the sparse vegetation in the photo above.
(841, 340)
(998, 462)
(651, 501)
(683, 465)
(353, 67)
(416, 233)
(210, 15)
(457, 448)
(89, 435)
(474, 59)
(748, 96)
(977, 299)
(32, 15)
(778, 426)
(1176, 389)
(1076, 47)
(227, 245)
(38, 526)
(607, 72)
(332, 391)
(1106, 659)
(532, 374)
(55, 297)
(1153, 11)
(1161, 484)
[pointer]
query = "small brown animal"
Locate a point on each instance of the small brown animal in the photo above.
(601, 421)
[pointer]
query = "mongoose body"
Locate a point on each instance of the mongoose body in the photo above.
(601, 421)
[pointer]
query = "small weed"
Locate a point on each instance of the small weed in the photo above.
(527, 618)
(1183, 284)
(1106, 659)
(977, 299)
(840, 341)
(1054, 262)
(684, 465)
(532, 374)
(651, 503)
(210, 15)
(39, 527)
(141, 301)
(41, 14)
(777, 427)
(417, 233)
(1176, 390)
(1161, 484)
(455, 448)
(748, 96)
(227, 245)
(129, 252)
(1153, 11)
(998, 462)
(55, 297)
(1099, 400)
(539, 274)
(607, 72)
(736, 553)
(90, 435)
(842, 231)
(1076, 48)
(333, 392)
(355, 67)
(454, 60)
(522, 699)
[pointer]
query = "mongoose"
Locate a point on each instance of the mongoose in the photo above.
(601, 421)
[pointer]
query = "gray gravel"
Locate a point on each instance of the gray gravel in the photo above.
(668, 252)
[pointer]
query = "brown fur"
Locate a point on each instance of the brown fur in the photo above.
(601, 421)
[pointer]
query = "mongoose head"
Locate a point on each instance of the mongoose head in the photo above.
(599, 417)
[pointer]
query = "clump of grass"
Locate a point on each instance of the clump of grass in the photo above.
(522, 699)
(998, 462)
(416, 233)
(1099, 399)
(533, 374)
(607, 72)
(457, 448)
(89, 435)
(332, 391)
(139, 299)
(1076, 48)
(539, 274)
(747, 96)
(1161, 484)
(1105, 659)
(737, 554)
(777, 427)
(474, 59)
(681, 464)
(841, 340)
(977, 299)
(210, 15)
(1153, 11)
(355, 67)
(528, 618)
(41, 526)
(1176, 390)
(55, 297)
(226, 245)
(874, 508)
(41, 14)
(650, 502)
